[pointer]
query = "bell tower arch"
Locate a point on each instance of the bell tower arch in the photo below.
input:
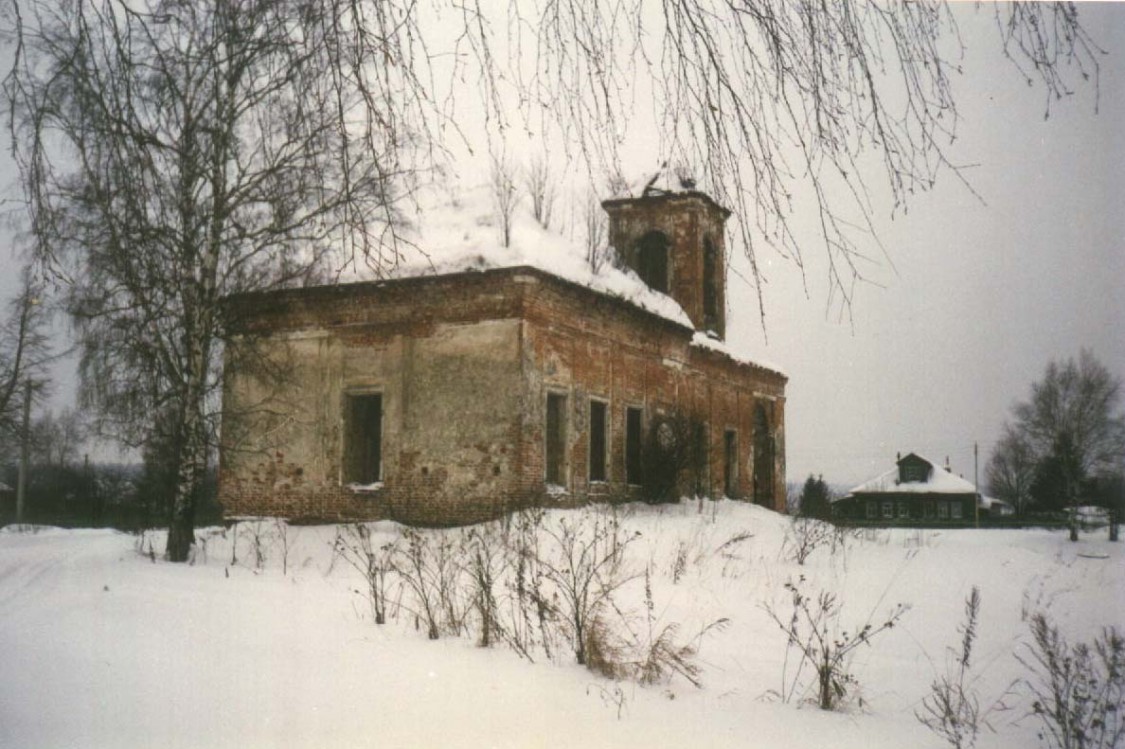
(675, 242)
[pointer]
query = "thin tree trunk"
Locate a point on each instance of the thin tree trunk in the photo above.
(191, 464)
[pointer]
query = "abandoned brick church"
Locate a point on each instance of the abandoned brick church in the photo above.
(448, 399)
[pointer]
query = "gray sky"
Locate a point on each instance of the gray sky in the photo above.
(980, 296)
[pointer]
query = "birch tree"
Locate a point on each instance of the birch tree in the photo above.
(174, 151)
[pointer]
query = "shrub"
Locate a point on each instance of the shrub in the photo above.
(951, 709)
(812, 629)
(353, 543)
(1078, 690)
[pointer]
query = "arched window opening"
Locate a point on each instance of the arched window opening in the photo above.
(763, 457)
(710, 283)
(652, 260)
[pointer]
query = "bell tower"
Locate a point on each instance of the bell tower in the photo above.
(675, 242)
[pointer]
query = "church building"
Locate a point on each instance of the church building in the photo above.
(451, 398)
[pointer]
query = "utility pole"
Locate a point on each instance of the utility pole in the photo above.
(21, 484)
(976, 486)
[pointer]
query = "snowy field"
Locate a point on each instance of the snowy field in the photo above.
(101, 646)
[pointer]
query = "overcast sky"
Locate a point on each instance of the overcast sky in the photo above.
(980, 296)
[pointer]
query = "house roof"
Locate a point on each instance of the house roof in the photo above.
(939, 481)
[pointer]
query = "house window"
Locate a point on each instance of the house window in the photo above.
(888, 510)
(633, 446)
(943, 510)
(913, 472)
(955, 510)
(598, 440)
(872, 509)
(904, 510)
(556, 439)
(652, 260)
(730, 463)
(363, 440)
(710, 283)
(928, 508)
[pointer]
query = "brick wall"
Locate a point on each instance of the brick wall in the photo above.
(464, 364)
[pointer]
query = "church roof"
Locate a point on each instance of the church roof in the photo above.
(454, 229)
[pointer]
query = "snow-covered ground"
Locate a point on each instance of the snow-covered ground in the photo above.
(100, 646)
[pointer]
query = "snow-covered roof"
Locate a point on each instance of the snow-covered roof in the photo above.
(939, 481)
(452, 228)
(989, 503)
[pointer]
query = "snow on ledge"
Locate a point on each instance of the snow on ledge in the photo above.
(706, 340)
(365, 487)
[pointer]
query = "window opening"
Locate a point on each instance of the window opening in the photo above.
(763, 457)
(556, 438)
(652, 260)
(730, 463)
(598, 441)
(633, 446)
(364, 439)
(710, 283)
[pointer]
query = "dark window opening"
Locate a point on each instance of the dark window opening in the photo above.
(710, 284)
(363, 462)
(699, 456)
(652, 260)
(633, 446)
(763, 458)
(556, 439)
(913, 472)
(730, 463)
(597, 440)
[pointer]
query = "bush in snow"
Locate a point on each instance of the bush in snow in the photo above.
(429, 565)
(373, 560)
(486, 565)
(662, 654)
(505, 196)
(1078, 690)
(805, 535)
(542, 189)
(951, 709)
(813, 631)
(584, 563)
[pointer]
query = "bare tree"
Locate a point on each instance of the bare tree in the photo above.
(24, 349)
(1011, 469)
(174, 152)
(505, 196)
(57, 438)
(1072, 419)
(595, 234)
(542, 189)
(772, 99)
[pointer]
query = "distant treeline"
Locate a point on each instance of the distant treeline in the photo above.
(98, 495)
